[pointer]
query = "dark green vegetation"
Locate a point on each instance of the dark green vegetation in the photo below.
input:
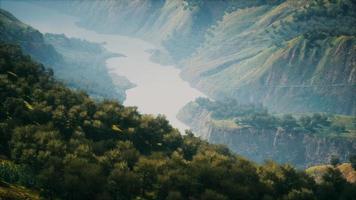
(78, 63)
(352, 159)
(257, 116)
(65, 145)
(334, 161)
(13, 178)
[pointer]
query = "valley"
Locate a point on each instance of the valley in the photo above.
(156, 89)
(178, 99)
(261, 53)
(291, 56)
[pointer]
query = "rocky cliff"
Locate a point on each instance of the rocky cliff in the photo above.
(298, 148)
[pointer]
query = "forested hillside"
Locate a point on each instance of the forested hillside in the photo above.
(303, 140)
(32, 41)
(292, 56)
(66, 145)
(78, 63)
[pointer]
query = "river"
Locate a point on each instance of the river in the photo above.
(159, 89)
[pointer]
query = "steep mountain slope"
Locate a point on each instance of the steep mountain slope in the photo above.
(32, 41)
(172, 24)
(292, 56)
(78, 63)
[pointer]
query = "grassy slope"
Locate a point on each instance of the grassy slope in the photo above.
(270, 54)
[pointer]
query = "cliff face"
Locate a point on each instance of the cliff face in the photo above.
(298, 148)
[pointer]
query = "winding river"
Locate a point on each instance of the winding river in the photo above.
(159, 89)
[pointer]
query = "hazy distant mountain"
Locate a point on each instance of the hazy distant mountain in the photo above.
(292, 56)
(78, 63)
(32, 41)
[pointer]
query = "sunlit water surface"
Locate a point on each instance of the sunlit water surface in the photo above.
(159, 89)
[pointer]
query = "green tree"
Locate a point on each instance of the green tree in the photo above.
(124, 184)
(289, 123)
(352, 159)
(334, 160)
(212, 195)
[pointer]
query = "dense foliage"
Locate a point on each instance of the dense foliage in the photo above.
(76, 148)
(352, 159)
(259, 117)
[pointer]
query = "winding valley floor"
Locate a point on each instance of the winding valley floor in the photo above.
(159, 89)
